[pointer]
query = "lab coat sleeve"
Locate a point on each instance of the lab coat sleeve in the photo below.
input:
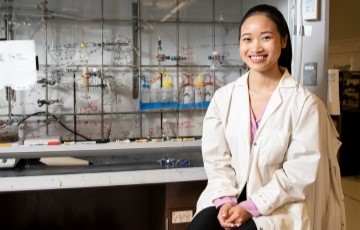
(293, 181)
(216, 153)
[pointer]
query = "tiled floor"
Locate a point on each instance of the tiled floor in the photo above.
(351, 189)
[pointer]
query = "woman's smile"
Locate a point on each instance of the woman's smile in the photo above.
(257, 58)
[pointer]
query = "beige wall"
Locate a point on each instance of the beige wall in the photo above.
(344, 34)
(344, 20)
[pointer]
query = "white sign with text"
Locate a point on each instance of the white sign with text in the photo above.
(17, 64)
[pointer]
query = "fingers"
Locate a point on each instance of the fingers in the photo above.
(223, 216)
(233, 216)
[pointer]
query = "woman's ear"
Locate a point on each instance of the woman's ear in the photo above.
(284, 41)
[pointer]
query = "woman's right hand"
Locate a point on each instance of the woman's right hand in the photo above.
(223, 216)
(231, 216)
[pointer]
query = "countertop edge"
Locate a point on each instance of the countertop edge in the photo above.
(100, 179)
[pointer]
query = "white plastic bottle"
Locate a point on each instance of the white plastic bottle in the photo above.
(175, 92)
(155, 92)
(199, 89)
(209, 90)
(167, 89)
(188, 94)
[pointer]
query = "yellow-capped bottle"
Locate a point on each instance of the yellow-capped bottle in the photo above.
(167, 89)
(199, 89)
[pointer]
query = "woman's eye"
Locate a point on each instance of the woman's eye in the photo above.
(266, 38)
(246, 39)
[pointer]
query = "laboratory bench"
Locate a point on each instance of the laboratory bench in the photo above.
(123, 187)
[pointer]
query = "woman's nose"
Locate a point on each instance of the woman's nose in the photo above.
(256, 46)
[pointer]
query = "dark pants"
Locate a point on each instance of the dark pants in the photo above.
(206, 219)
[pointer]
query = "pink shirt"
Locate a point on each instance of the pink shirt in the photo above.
(248, 205)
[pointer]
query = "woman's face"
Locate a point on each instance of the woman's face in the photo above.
(260, 43)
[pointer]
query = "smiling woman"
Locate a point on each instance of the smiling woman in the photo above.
(257, 138)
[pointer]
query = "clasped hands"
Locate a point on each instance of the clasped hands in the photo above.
(232, 216)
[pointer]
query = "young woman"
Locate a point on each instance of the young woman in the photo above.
(269, 146)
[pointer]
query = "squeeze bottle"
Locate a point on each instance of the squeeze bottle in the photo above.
(188, 94)
(209, 89)
(167, 89)
(199, 89)
(155, 91)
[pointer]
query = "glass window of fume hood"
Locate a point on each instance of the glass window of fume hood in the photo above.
(117, 42)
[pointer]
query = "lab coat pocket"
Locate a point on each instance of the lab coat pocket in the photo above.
(294, 216)
(273, 145)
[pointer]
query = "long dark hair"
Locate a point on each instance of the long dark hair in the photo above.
(278, 18)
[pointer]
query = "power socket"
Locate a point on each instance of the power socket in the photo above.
(310, 74)
(181, 216)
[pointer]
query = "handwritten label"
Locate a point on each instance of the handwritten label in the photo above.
(17, 64)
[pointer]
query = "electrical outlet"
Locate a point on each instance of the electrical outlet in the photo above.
(310, 74)
(181, 216)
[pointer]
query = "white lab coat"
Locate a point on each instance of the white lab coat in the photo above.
(291, 171)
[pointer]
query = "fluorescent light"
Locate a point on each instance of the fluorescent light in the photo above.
(173, 11)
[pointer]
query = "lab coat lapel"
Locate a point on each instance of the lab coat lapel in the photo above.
(276, 99)
(274, 102)
(240, 115)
